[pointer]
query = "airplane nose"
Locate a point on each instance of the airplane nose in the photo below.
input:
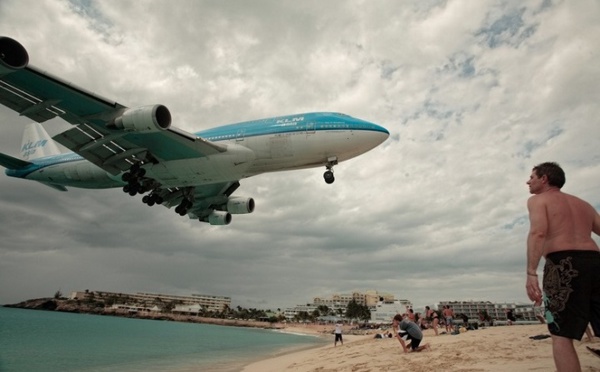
(380, 133)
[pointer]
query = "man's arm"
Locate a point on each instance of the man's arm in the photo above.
(538, 228)
(402, 343)
(596, 226)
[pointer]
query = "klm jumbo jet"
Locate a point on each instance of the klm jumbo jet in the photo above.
(138, 150)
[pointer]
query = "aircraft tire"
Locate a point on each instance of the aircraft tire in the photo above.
(328, 176)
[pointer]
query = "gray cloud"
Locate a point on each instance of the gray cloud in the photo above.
(435, 213)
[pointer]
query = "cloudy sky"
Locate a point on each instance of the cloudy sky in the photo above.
(474, 93)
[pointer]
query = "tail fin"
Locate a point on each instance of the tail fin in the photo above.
(37, 143)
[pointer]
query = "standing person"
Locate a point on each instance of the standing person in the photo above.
(448, 314)
(338, 334)
(432, 317)
(561, 226)
(413, 334)
(410, 314)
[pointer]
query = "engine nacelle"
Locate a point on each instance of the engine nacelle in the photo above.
(219, 218)
(13, 56)
(240, 205)
(144, 119)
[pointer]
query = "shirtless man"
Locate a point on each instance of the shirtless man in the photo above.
(448, 314)
(561, 227)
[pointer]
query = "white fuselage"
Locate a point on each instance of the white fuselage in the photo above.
(245, 157)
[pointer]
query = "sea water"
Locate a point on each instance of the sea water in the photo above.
(36, 340)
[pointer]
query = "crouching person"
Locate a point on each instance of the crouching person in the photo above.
(406, 329)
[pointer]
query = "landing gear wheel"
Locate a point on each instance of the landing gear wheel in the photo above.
(328, 176)
(183, 207)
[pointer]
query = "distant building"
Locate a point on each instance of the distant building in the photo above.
(384, 311)
(148, 300)
(194, 309)
(291, 312)
(497, 311)
(369, 298)
(338, 303)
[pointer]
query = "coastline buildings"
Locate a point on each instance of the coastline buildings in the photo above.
(156, 302)
(496, 311)
(384, 306)
(338, 303)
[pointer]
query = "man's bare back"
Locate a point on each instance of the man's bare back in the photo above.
(570, 221)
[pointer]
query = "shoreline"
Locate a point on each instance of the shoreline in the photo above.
(49, 304)
(492, 349)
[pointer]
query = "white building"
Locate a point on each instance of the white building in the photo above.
(385, 310)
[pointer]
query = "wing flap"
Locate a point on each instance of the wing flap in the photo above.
(105, 149)
(115, 152)
(40, 96)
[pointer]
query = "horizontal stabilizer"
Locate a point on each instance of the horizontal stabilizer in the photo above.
(12, 163)
(54, 186)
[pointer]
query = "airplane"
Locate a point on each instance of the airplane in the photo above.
(137, 149)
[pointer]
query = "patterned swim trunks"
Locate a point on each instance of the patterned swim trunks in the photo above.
(572, 292)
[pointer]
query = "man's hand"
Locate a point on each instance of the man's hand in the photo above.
(533, 290)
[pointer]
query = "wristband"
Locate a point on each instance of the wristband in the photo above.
(531, 274)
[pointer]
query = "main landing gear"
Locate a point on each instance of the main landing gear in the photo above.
(138, 184)
(328, 175)
(134, 180)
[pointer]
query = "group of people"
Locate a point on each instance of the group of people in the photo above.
(434, 319)
(561, 227)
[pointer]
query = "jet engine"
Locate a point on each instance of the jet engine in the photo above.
(240, 205)
(144, 119)
(219, 218)
(13, 56)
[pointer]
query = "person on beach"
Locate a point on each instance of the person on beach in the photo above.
(510, 317)
(561, 227)
(410, 314)
(338, 334)
(406, 329)
(432, 317)
(448, 314)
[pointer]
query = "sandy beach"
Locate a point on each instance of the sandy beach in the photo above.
(503, 348)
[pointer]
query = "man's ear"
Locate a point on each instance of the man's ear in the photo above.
(544, 178)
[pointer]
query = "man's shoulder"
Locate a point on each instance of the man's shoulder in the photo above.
(543, 197)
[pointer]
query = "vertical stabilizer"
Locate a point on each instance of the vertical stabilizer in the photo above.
(37, 143)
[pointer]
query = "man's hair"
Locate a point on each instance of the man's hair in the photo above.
(555, 174)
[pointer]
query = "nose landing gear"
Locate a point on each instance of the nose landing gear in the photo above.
(328, 175)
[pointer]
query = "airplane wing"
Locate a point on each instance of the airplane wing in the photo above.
(105, 132)
(114, 137)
